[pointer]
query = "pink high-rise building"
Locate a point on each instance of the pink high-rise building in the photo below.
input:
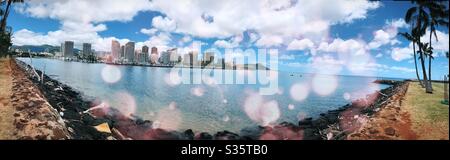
(115, 50)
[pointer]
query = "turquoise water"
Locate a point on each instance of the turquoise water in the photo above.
(204, 107)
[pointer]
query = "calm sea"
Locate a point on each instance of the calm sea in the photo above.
(150, 94)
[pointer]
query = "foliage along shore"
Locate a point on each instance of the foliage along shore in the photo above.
(88, 119)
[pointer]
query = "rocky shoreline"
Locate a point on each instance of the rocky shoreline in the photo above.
(86, 119)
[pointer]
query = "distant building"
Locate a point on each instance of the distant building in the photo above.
(145, 55)
(173, 56)
(115, 50)
(101, 53)
(194, 56)
(129, 52)
(208, 58)
(165, 58)
(221, 63)
(122, 52)
(153, 58)
(67, 49)
(59, 54)
(191, 59)
(87, 49)
(187, 60)
(154, 50)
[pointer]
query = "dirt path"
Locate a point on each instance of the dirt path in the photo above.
(34, 117)
(391, 122)
(24, 111)
(7, 128)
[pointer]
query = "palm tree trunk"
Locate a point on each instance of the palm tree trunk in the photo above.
(429, 75)
(429, 65)
(5, 16)
(424, 71)
(422, 54)
(415, 64)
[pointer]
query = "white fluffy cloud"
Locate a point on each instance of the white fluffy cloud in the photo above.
(276, 22)
(397, 23)
(81, 20)
(232, 43)
(269, 41)
(85, 11)
(164, 24)
(388, 34)
(300, 44)
(343, 47)
(326, 64)
(400, 54)
(441, 46)
(149, 32)
(272, 22)
(161, 41)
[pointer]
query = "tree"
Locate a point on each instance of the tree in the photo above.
(438, 17)
(413, 39)
(6, 13)
(418, 16)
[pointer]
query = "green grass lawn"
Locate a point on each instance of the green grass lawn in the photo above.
(428, 115)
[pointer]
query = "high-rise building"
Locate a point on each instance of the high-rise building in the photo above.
(145, 55)
(208, 57)
(165, 58)
(87, 49)
(129, 52)
(154, 50)
(67, 49)
(144, 49)
(153, 58)
(173, 55)
(187, 60)
(122, 51)
(194, 56)
(115, 50)
(61, 49)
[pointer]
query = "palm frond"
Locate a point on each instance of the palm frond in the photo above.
(406, 35)
(409, 14)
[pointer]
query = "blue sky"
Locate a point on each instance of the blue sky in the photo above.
(356, 38)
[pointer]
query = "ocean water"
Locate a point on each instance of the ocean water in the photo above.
(150, 93)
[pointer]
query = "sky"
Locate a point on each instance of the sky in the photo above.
(341, 37)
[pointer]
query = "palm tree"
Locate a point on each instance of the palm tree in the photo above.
(6, 13)
(413, 39)
(438, 17)
(1, 9)
(418, 16)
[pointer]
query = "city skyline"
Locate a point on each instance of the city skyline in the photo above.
(303, 42)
